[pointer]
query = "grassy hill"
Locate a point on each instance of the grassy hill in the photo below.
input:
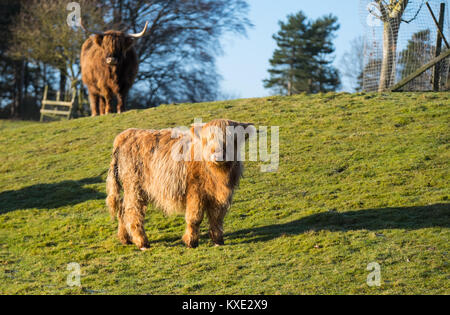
(363, 178)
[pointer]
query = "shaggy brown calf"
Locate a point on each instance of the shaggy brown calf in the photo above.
(180, 172)
(109, 65)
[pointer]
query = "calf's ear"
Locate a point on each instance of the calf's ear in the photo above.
(98, 39)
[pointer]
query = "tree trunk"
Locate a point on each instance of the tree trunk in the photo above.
(291, 73)
(289, 87)
(44, 74)
(391, 16)
(388, 69)
(62, 84)
(26, 79)
(436, 72)
(18, 88)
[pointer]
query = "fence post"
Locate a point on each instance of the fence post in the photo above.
(436, 73)
(43, 102)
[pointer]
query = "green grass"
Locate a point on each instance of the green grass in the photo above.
(363, 178)
(11, 124)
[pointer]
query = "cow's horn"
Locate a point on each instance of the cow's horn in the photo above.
(87, 30)
(141, 33)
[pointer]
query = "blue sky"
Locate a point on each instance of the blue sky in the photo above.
(246, 60)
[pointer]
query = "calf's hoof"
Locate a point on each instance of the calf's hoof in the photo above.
(142, 243)
(190, 241)
(218, 241)
(125, 240)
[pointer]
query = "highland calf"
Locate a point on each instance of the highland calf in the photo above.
(192, 172)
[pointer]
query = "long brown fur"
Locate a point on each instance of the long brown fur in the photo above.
(104, 81)
(144, 168)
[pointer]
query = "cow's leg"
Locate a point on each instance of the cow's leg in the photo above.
(215, 218)
(102, 105)
(194, 217)
(121, 98)
(93, 100)
(108, 101)
(133, 217)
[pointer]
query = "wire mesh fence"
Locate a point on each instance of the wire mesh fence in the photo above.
(400, 37)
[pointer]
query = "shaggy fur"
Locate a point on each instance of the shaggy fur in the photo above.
(105, 80)
(143, 166)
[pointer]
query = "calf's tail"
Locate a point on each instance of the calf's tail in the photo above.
(113, 187)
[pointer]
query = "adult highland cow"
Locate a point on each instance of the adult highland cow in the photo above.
(149, 165)
(109, 65)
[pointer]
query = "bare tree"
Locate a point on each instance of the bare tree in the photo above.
(391, 15)
(352, 63)
(177, 56)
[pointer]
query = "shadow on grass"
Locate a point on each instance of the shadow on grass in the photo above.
(50, 196)
(408, 218)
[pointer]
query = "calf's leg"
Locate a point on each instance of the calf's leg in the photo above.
(194, 217)
(215, 218)
(122, 233)
(133, 218)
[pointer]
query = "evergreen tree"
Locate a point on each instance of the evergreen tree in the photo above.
(370, 76)
(301, 63)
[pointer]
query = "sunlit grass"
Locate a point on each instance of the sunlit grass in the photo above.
(362, 178)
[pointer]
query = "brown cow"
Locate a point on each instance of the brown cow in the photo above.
(146, 167)
(109, 65)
